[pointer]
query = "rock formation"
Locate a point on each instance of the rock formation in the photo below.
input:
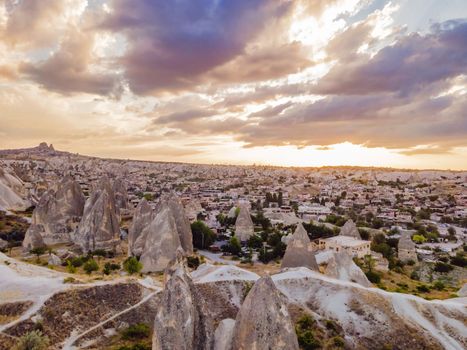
(406, 248)
(342, 267)
(142, 218)
(223, 334)
(180, 322)
(99, 228)
(12, 192)
(350, 229)
(56, 215)
(121, 195)
(244, 227)
(160, 241)
(299, 251)
(263, 321)
(182, 223)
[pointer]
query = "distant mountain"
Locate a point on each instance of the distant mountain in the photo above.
(42, 150)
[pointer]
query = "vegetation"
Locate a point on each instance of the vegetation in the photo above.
(203, 236)
(34, 340)
(136, 331)
(132, 265)
(90, 266)
(305, 335)
(109, 267)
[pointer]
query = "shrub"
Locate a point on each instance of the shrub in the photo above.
(137, 346)
(423, 289)
(109, 267)
(90, 266)
(443, 267)
(338, 341)
(193, 262)
(34, 340)
(459, 260)
(136, 331)
(414, 275)
(307, 340)
(438, 285)
(70, 268)
(411, 262)
(132, 265)
(373, 277)
(69, 280)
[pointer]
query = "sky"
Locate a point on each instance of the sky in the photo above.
(273, 82)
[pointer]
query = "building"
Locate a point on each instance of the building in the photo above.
(354, 247)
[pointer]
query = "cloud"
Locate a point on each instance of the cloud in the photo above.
(173, 46)
(413, 62)
(35, 24)
(67, 70)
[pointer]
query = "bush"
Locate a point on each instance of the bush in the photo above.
(443, 267)
(414, 275)
(136, 331)
(109, 267)
(338, 341)
(459, 260)
(373, 277)
(438, 285)
(411, 262)
(132, 265)
(234, 246)
(137, 346)
(423, 289)
(34, 340)
(305, 336)
(70, 268)
(193, 262)
(90, 266)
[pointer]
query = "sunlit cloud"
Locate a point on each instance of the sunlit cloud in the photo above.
(293, 83)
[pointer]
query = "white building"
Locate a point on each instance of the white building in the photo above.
(354, 247)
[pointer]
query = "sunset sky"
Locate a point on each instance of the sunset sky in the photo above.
(302, 82)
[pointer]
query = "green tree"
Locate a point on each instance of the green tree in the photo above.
(234, 246)
(203, 236)
(90, 266)
(132, 265)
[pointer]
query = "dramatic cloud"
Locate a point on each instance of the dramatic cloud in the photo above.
(201, 79)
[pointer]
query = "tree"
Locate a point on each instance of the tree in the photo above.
(90, 266)
(38, 251)
(203, 236)
(132, 265)
(234, 246)
(369, 262)
(34, 340)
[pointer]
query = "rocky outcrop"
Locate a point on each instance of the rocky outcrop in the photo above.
(350, 230)
(223, 334)
(56, 215)
(263, 321)
(142, 218)
(160, 241)
(299, 251)
(406, 248)
(121, 195)
(3, 244)
(342, 267)
(99, 228)
(180, 322)
(375, 319)
(12, 192)
(244, 227)
(182, 222)
(463, 291)
(54, 260)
